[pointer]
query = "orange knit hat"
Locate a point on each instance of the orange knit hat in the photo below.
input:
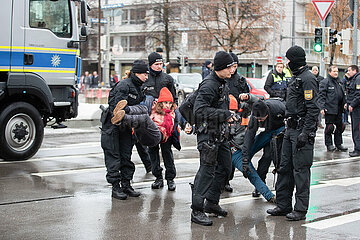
(233, 103)
(165, 95)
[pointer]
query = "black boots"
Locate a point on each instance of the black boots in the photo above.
(278, 211)
(341, 148)
(201, 218)
(117, 192)
(171, 185)
(159, 183)
(129, 190)
(330, 148)
(296, 216)
(215, 209)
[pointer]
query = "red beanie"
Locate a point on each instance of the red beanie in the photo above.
(165, 95)
(233, 103)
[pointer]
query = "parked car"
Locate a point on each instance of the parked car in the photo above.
(186, 83)
(257, 87)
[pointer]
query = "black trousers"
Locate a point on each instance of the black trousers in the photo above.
(337, 121)
(168, 158)
(264, 162)
(294, 171)
(355, 124)
(143, 152)
(215, 168)
(117, 146)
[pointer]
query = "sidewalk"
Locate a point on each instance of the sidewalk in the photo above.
(87, 111)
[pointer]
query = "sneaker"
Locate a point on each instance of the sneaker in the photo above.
(159, 183)
(215, 209)
(119, 106)
(171, 185)
(131, 192)
(118, 117)
(341, 148)
(200, 218)
(330, 148)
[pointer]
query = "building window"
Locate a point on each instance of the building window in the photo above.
(136, 43)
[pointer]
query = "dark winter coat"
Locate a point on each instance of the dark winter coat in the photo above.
(302, 97)
(353, 91)
(274, 121)
(276, 88)
(237, 85)
(156, 82)
(205, 71)
(128, 89)
(212, 102)
(331, 95)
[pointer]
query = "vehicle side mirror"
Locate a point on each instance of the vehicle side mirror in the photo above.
(83, 10)
(84, 31)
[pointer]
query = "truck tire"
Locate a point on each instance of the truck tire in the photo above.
(21, 131)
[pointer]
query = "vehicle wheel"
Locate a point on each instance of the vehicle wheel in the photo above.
(21, 131)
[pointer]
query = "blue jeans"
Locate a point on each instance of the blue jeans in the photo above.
(261, 140)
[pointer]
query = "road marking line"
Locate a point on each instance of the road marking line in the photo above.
(334, 222)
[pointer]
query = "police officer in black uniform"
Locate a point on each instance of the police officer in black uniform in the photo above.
(331, 103)
(239, 88)
(302, 111)
(117, 141)
(353, 104)
(156, 81)
(211, 110)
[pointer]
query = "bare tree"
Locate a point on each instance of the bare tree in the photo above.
(162, 29)
(234, 25)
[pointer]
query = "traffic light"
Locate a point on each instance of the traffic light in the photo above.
(179, 60)
(186, 61)
(318, 40)
(332, 36)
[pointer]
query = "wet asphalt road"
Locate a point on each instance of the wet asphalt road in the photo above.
(61, 193)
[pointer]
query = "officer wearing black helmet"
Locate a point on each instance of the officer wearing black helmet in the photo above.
(211, 110)
(302, 111)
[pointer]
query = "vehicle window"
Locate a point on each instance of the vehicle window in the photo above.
(52, 15)
(257, 82)
(190, 79)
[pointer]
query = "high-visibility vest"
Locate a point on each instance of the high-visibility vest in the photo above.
(280, 83)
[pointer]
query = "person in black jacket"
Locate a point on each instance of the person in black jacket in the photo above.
(239, 88)
(332, 102)
(117, 141)
(206, 69)
(268, 114)
(276, 82)
(211, 110)
(156, 81)
(302, 111)
(319, 78)
(353, 104)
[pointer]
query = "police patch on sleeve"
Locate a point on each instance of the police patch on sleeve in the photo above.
(357, 86)
(308, 94)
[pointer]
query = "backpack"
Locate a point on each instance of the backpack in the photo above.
(187, 106)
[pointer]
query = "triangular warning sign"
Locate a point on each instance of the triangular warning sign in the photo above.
(323, 7)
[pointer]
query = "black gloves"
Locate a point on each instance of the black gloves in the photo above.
(246, 168)
(302, 139)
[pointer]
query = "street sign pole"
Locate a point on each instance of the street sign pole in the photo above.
(355, 51)
(323, 7)
(322, 54)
